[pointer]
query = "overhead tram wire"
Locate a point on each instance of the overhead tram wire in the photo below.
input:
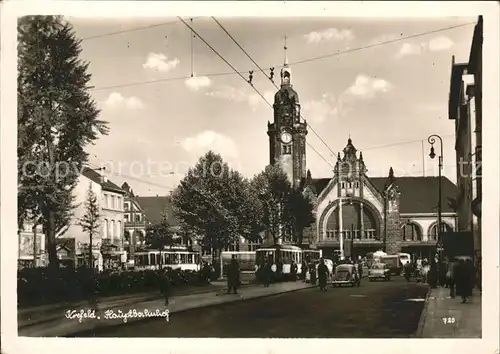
(292, 63)
(220, 56)
(131, 30)
(244, 79)
(276, 86)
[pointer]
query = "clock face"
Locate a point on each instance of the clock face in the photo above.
(286, 137)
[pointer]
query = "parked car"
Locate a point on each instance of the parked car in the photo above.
(379, 271)
(346, 274)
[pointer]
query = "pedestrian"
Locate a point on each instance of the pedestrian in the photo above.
(312, 271)
(463, 280)
(407, 270)
(450, 277)
(165, 286)
(432, 275)
(360, 269)
(322, 274)
(266, 273)
(304, 271)
(293, 270)
(233, 276)
(479, 274)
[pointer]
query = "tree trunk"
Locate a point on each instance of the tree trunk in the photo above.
(34, 245)
(91, 255)
(51, 242)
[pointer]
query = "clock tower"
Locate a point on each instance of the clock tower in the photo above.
(287, 134)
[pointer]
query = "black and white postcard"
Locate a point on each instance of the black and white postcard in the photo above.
(273, 171)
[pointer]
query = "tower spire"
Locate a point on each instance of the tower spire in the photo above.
(286, 73)
(285, 62)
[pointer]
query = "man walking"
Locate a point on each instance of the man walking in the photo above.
(450, 277)
(165, 287)
(233, 276)
(322, 274)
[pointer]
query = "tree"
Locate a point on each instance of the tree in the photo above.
(90, 222)
(158, 236)
(216, 202)
(57, 119)
(299, 214)
(273, 189)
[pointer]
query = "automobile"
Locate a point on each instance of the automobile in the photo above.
(379, 271)
(346, 274)
(329, 265)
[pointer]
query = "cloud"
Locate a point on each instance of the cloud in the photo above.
(329, 106)
(329, 34)
(199, 144)
(440, 43)
(233, 94)
(367, 87)
(196, 82)
(434, 45)
(115, 99)
(159, 62)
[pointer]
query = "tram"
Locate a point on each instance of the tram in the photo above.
(281, 257)
(175, 259)
(311, 255)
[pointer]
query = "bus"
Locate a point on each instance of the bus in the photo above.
(175, 259)
(281, 257)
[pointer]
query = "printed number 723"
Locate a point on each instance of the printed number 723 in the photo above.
(448, 320)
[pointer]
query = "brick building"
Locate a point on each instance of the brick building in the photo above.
(398, 214)
(395, 214)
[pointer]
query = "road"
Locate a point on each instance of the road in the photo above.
(373, 310)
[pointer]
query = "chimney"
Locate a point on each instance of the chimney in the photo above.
(104, 178)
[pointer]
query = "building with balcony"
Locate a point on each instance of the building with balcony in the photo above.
(465, 108)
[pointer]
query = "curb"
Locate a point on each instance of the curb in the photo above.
(423, 316)
(151, 319)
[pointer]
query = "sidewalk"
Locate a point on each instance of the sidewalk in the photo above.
(59, 325)
(45, 313)
(444, 317)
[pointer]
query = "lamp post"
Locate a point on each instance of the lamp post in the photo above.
(432, 155)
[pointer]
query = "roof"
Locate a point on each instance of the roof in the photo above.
(286, 91)
(418, 194)
(156, 207)
(97, 178)
(65, 242)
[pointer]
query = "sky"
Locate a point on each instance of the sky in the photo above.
(388, 98)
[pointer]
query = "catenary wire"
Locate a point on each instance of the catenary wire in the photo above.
(276, 86)
(290, 64)
(244, 79)
(103, 35)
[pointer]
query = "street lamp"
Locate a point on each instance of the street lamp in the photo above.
(432, 155)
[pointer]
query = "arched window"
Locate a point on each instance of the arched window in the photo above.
(119, 229)
(411, 232)
(433, 230)
(105, 228)
(111, 229)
